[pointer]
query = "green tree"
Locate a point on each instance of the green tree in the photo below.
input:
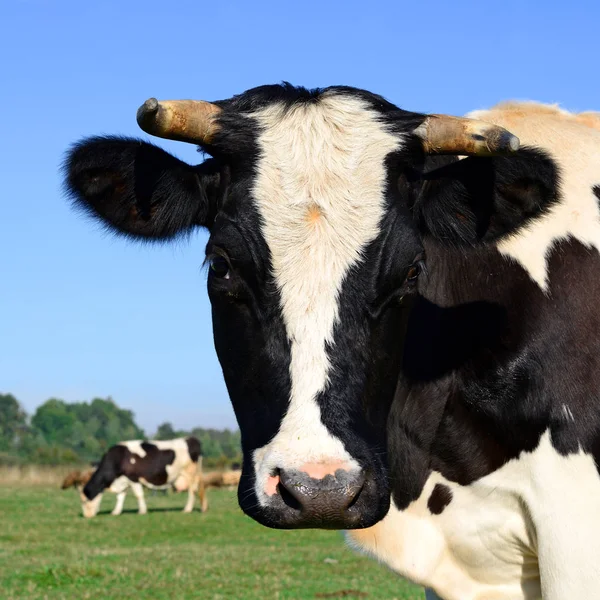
(218, 443)
(62, 432)
(165, 432)
(55, 420)
(13, 422)
(87, 430)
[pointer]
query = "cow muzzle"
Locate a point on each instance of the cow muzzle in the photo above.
(89, 508)
(328, 500)
(318, 496)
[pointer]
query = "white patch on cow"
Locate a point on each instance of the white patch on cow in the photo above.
(118, 509)
(182, 456)
(119, 485)
(537, 514)
(320, 192)
(135, 447)
(138, 492)
(573, 141)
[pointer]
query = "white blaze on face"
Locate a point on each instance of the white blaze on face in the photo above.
(320, 190)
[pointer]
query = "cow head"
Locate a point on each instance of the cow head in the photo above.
(313, 258)
(90, 507)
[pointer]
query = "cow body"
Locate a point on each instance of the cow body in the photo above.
(136, 464)
(447, 416)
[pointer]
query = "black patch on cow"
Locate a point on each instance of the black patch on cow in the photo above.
(596, 190)
(248, 329)
(468, 398)
(152, 467)
(194, 448)
(440, 497)
(491, 363)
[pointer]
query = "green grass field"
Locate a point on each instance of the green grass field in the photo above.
(48, 551)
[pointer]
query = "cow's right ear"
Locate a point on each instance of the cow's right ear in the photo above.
(138, 189)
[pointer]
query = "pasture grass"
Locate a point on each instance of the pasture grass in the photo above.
(48, 551)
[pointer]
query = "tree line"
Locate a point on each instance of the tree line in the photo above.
(62, 432)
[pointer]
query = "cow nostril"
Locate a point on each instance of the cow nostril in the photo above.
(354, 499)
(288, 498)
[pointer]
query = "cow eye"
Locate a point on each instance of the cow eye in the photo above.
(413, 272)
(219, 267)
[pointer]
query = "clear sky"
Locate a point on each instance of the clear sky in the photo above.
(84, 314)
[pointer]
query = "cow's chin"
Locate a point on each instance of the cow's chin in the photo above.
(369, 508)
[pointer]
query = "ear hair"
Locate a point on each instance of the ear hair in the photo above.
(138, 190)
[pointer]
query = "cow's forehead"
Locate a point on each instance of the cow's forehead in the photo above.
(320, 191)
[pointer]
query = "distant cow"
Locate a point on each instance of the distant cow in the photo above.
(77, 479)
(221, 479)
(154, 464)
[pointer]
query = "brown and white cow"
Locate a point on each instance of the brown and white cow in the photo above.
(154, 464)
(77, 479)
(222, 479)
(405, 308)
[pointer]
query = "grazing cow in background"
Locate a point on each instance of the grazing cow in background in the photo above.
(405, 310)
(153, 464)
(222, 479)
(77, 479)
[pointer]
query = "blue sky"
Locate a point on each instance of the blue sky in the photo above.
(84, 314)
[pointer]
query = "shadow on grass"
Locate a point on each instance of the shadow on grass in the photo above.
(134, 511)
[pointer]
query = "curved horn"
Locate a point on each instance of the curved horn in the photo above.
(190, 121)
(442, 134)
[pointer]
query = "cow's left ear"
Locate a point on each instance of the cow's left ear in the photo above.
(481, 199)
(139, 190)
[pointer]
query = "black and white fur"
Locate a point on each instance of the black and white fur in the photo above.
(135, 464)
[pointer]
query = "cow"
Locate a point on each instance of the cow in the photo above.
(154, 464)
(76, 479)
(222, 479)
(404, 310)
